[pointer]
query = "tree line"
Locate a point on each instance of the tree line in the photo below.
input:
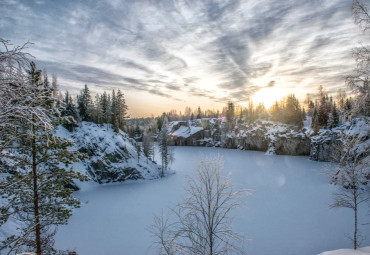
(105, 109)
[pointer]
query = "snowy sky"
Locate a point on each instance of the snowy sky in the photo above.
(172, 53)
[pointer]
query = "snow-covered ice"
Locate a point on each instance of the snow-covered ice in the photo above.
(287, 212)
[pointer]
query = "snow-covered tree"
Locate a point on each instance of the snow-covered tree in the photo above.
(359, 81)
(148, 144)
(34, 174)
(202, 223)
(69, 110)
(164, 149)
(85, 104)
(351, 176)
(121, 113)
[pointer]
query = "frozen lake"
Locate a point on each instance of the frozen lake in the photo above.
(288, 212)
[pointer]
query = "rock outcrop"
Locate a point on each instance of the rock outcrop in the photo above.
(270, 137)
(112, 157)
(324, 144)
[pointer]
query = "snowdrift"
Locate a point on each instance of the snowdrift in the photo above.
(360, 251)
(112, 157)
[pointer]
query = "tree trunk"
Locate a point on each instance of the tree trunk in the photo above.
(355, 233)
(36, 200)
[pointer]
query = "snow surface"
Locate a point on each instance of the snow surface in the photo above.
(361, 251)
(287, 212)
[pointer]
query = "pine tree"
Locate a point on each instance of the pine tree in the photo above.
(37, 189)
(323, 111)
(70, 111)
(199, 114)
(230, 114)
(148, 145)
(121, 107)
(138, 151)
(164, 150)
(105, 105)
(85, 104)
(314, 123)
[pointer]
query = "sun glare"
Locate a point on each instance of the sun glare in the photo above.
(268, 96)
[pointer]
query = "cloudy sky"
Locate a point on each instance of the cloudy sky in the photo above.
(168, 54)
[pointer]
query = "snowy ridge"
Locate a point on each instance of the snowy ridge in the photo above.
(112, 157)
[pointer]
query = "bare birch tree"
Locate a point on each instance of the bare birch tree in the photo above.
(359, 81)
(352, 176)
(203, 221)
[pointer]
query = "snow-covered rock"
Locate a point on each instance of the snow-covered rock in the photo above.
(360, 251)
(268, 136)
(112, 157)
(272, 137)
(323, 144)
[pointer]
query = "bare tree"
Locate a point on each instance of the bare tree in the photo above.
(203, 221)
(351, 175)
(359, 81)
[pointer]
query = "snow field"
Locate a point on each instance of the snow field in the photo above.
(287, 212)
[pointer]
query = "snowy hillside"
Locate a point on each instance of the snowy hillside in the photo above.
(112, 157)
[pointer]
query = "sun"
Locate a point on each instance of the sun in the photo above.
(268, 96)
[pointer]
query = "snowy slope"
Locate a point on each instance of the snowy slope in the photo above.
(112, 156)
(361, 251)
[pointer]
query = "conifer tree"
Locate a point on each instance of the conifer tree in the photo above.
(323, 111)
(121, 107)
(85, 104)
(164, 150)
(37, 189)
(148, 145)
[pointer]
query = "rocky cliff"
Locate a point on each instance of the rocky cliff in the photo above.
(112, 157)
(270, 137)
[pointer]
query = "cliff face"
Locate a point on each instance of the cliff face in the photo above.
(112, 157)
(324, 144)
(273, 138)
(270, 137)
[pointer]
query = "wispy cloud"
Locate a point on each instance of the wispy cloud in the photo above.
(220, 50)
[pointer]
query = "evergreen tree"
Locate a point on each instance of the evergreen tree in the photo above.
(37, 190)
(230, 114)
(199, 114)
(121, 110)
(314, 123)
(105, 107)
(323, 111)
(70, 111)
(138, 151)
(98, 112)
(148, 145)
(85, 104)
(292, 111)
(164, 150)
